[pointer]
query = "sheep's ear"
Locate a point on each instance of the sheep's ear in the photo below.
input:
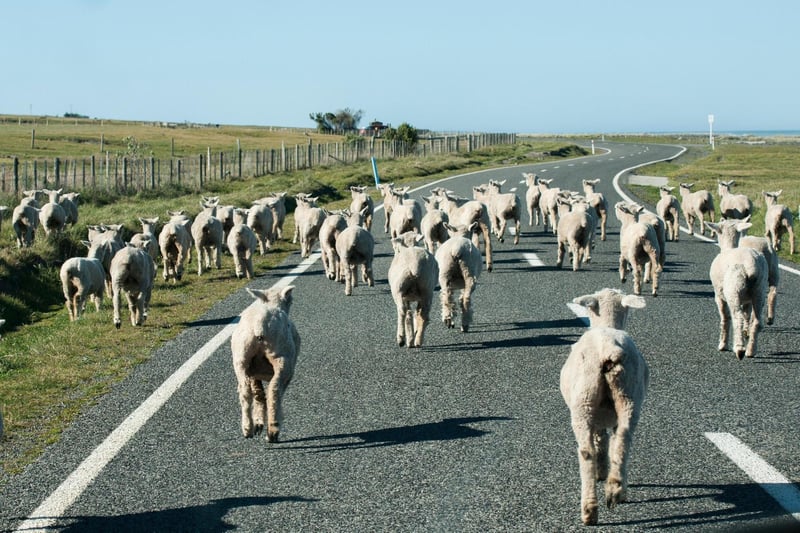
(258, 294)
(713, 227)
(633, 302)
(588, 301)
(419, 237)
(286, 293)
(743, 226)
(86, 244)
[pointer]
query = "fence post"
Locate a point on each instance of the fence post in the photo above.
(308, 157)
(16, 175)
(125, 174)
(202, 166)
(57, 170)
(152, 172)
(240, 158)
(179, 171)
(221, 165)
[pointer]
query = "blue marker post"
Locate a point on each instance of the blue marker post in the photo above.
(375, 172)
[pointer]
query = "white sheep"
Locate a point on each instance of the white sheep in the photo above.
(778, 221)
(660, 228)
(242, 242)
(406, 216)
(180, 217)
(103, 246)
(277, 204)
(432, 226)
(598, 201)
(147, 239)
(335, 222)
(69, 201)
(739, 277)
(502, 208)
(638, 245)
(604, 383)
(459, 263)
(175, 243)
(207, 234)
(52, 216)
(412, 277)
(548, 203)
(463, 212)
(731, 205)
(261, 221)
(81, 278)
(576, 233)
(355, 246)
(308, 218)
(264, 347)
(696, 206)
(25, 220)
(360, 201)
(389, 201)
(132, 273)
(532, 198)
(668, 208)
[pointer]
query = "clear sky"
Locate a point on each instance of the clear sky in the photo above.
(525, 66)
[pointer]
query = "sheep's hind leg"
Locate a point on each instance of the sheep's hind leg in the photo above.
(259, 405)
(447, 296)
(724, 322)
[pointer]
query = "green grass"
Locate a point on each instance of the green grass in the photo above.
(51, 369)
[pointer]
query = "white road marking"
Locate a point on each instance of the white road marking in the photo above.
(533, 259)
(773, 482)
(44, 517)
(580, 312)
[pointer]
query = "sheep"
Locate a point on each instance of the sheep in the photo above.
(463, 212)
(778, 220)
(180, 217)
(335, 222)
(389, 201)
(604, 383)
(242, 242)
(261, 221)
(532, 197)
(264, 347)
(732, 234)
(731, 205)
(308, 218)
(412, 277)
(432, 225)
(82, 277)
(33, 198)
(668, 209)
(502, 207)
(576, 233)
(69, 201)
(548, 203)
(406, 216)
(52, 216)
(355, 246)
(739, 277)
(696, 205)
(25, 220)
(638, 244)
(225, 215)
(175, 243)
(360, 201)
(660, 228)
(132, 272)
(459, 263)
(207, 233)
(103, 246)
(598, 201)
(277, 204)
(147, 239)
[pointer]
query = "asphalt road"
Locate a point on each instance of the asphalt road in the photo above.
(468, 433)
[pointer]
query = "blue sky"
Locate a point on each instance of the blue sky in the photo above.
(513, 66)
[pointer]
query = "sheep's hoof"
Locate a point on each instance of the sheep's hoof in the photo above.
(272, 435)
(769, 321)
(117, 324)
(400, 341)
(464, 329)
(740, 354)
(589, 515)
(615, 494)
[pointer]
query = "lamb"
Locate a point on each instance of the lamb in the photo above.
(389, 201)
(103, 246)
(335, 222)
(696, 205)
(69, 202)
(308, 221)
(432, 225)
(277, 204)
(532, 197)
(459, 263)
(355, 246)
(660, 228)
(242, 243)
(406, 216)
(778, 221)
(576, 233)
(225, 215)
(132, 272)
(739, 277)
(638, 245)
(147, 239)
(598, 201)
(82, 277)
(261, 221)
(548, 203)
(731, 205)
(463, 212)
(412, 277)
(175, 243)
(668, 209)
(207, 233)
(25, 220)
(604, 383)
(264, 347)
(360, 201)
(52, 215)
(502, 207)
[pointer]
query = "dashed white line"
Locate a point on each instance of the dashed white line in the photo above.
(533, 259)
(580, 312)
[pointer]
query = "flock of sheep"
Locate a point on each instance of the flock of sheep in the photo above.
(443, 240)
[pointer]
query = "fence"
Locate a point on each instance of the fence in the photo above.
(127, 174)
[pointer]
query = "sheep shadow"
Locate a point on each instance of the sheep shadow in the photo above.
(523, 342)
(737, 504)
(206, 517)
(444, 430)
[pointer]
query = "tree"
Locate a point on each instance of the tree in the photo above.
(405, 132)
(341, 121)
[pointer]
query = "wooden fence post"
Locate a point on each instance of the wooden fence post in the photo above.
(221, 165)
(16, 175)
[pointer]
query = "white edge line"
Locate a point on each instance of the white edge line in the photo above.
(76, 483)
(580, 312)
(773, 482)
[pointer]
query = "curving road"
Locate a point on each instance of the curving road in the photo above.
(469, 433)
